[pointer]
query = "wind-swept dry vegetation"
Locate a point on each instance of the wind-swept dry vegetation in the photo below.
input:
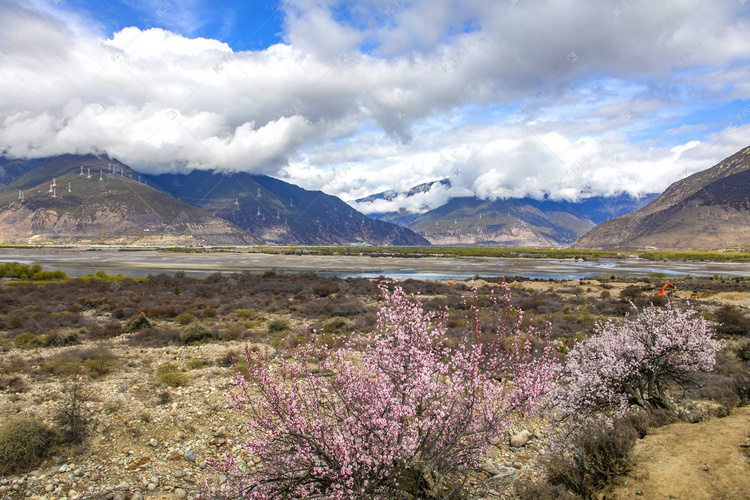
(128, 377)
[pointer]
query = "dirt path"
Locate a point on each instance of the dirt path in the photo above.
(692, 461)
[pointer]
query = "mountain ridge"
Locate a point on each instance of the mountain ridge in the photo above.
(280, 212)
(90, 198)
(705, 211)
(511, 222)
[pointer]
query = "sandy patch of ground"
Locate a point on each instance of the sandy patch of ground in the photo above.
(703, 461)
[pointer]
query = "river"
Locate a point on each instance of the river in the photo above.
(81, 262)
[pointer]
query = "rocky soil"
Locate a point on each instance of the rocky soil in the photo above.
(152, 441)
(149, 440)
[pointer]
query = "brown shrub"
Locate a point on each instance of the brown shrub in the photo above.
(541, 490)
(731, 321)
(24, 442)
(598, 454)
(155, 337)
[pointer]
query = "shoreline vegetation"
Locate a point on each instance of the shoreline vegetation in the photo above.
(733, 255)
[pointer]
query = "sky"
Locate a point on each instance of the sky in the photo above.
(506, 98)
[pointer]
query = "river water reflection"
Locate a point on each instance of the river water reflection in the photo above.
(81, 262)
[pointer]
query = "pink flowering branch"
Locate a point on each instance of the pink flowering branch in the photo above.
(400, 410)
(630, 363)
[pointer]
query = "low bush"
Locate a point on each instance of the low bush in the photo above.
(111, 328)
(24, 442)
(71, 417)
(541, 490)
(58, 338)
(622, 309)
(169, 311)
(100, 361)
(592, 456)
(137, 323)
(729, 383)
(184, 319)
(335, 324)
(233, 332)
(229, 358)
(170, 374)
(731, 321)
(278, 325)
(195, 332)
(155, 337)
(246, 313)
(194, 364)
(111, 406)
(12, 364)
(61, 365)
(660, 417)
(743, 349)
(631, 292)
(324, 289)
(163, 398)
(13, 385)
(24, 338)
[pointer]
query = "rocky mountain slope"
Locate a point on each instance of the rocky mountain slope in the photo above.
(94, 199)
(278, 212)
(510, 222)
(708, 210)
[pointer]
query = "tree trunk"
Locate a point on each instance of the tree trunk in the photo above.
(426, 482)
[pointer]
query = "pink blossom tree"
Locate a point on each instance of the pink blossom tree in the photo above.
(630, 363)
(400, 411)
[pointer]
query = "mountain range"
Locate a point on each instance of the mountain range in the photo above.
(281, 213)
(708, 210)
(95, 199)
(508, 222)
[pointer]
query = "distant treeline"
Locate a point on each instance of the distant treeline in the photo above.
(27, 272)
(668, 255)
(477, 251)
(435, 251)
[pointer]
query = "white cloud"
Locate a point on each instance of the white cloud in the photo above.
(524, 99)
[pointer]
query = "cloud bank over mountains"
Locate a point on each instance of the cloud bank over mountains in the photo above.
(506, 99)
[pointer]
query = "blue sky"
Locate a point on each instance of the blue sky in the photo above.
(505, 98)
(242, 25)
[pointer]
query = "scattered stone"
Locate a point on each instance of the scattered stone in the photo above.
(180, 494)
(154, 442)
(137, 496)
(151, 487)
(506, 478)
(519, 440)
(189, 455)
